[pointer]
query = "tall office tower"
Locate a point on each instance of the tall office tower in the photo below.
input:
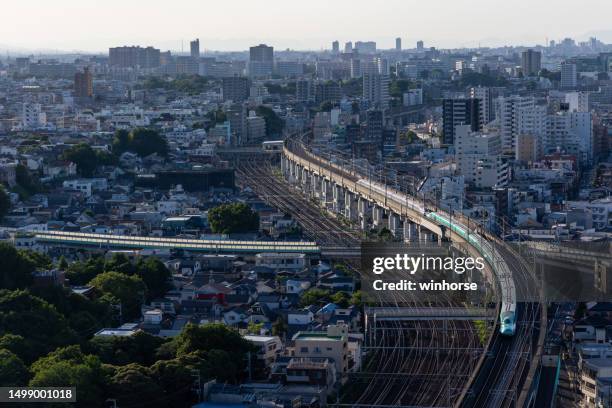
(478, 158)
(376, 90)
(356, 68)
(83, 84)
(520, 115)
(261, 60)
(303, 90)
(531, 62)
(382, 65)
(336, 47)
(457, 112)
(134, 57)
(195, 48)
(398, 44)
(420, 46)
(577, 101)
(569, 76)
(348, 47)
(485, 96)
(235, 89)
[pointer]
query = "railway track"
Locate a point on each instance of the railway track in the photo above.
(406, 363)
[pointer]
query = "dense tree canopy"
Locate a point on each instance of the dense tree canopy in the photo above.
(130, 291)
(233, 218)
(87, 159)
(39, 323)
(70, 367)
(12, 370)
(16, 271)
(141, 141)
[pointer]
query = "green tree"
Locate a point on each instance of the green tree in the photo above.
(254, 328)
(39, 323)
(175, 379)
(129, 290)
(17, 269)
(233, 218)
(314, 296)
(274, 124)
(69, 367)
(26, 181)
(5, 202)
(155, 275)
(80, 273)
(121, 350)
(279, 327)
(84, 157)
(141, 141)
(12, 370)
(341, 299)
(132, 384)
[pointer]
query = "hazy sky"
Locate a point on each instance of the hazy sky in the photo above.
(94, 25)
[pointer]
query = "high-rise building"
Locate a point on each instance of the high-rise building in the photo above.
(195, 48)
(348, 47)
(519, 115)
(569, 75)
(336, 47)
(355, 68)
(235, 89)
(237, 117)
(398, 44)
(376, 90)
(83, 84)
(420, 46)
(485, 96)
(134, 57)
(478, 158)
(531, 62)
(32, 116)
(572, 133)
(460, 111)
(303, 90)
(261, 60)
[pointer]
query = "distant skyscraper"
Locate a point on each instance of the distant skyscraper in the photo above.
(134, 57)
(348, 47)
(366, 47)
(336, 47)
(195, 48)
(487, 112)
(261, 60)
(457, 112)
(420, 45)
(83, 84)
(569, 76)
(398, 44)
(531, 62)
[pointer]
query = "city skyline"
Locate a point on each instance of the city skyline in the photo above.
(289, 26)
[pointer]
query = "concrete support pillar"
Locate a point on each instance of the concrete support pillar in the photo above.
(395, 225)
(377, 215)
(365, 213)
(422, 232)
(338, 197)
(326, 192)
(350, 206)
(410, 231)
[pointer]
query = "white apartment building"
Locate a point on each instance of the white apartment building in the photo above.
(483, 94)
(593, 372)
(478, 158)
(332, 344)
(601, 211)
(571, 132)
(256, 128)
(578, 101)
(519, 115)
(32, 116)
